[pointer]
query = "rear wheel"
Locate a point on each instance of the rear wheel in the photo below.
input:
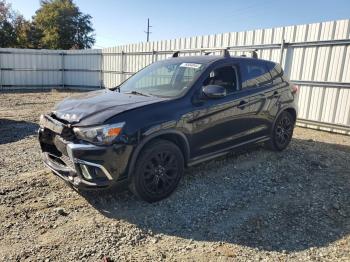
(282, 131)
(158, 171)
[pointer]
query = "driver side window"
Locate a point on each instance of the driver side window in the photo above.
(225, 76)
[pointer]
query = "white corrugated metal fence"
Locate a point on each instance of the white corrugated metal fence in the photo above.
(315, 56)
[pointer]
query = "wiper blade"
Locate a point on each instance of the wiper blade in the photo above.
(136, 93)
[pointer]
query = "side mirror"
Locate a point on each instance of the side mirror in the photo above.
(214, 91)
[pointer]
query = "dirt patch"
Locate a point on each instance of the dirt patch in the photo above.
(251, 205)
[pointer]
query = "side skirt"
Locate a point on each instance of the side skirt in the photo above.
(206, 157)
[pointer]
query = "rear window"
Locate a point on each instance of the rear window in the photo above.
(274, 69)
(276, 72)
(254, 74)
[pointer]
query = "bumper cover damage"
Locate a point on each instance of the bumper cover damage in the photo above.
(83, 165)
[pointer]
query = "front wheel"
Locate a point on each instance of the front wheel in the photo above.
(282, 131)
(158, 171)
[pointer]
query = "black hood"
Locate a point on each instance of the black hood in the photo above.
(96, 107)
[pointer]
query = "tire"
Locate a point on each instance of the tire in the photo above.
(158, 171)
(282, 132)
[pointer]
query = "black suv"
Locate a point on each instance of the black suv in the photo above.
(172, 114)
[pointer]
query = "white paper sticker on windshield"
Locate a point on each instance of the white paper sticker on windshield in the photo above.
(191, 65)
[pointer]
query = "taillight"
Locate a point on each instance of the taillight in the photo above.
(295, 89)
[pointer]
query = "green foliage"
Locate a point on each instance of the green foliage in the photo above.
(63, 26)
(7, 30)
(57, 24)
(27, 36)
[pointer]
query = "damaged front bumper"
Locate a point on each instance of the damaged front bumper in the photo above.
(83, 165)
(77, 172)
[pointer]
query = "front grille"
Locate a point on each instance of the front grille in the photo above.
(60, 144)
(68, 162)
(56, 148)
(68, 134)
(51, 149)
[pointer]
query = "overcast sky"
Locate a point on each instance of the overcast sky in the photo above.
(121, 22)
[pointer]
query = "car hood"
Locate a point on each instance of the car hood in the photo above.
(96, 107)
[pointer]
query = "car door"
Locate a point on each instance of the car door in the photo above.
(257, 79)
(220, 123)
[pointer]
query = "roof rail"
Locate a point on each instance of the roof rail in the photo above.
(225, 51)
(253, 52)
(207, 51)
(176, 54)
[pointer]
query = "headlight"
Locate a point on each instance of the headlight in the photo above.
(101, 135)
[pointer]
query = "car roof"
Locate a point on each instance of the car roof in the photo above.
(207, 59)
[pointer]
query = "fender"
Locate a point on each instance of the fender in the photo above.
(280, 112)
(143, 142)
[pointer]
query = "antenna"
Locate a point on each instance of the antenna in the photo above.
(148, 32)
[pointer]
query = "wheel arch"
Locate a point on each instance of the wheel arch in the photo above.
(293, 112)
(174, 136)
(290, 110)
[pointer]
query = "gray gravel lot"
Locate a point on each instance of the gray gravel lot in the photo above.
(252, 205)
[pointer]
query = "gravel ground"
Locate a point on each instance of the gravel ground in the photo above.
(251, 205)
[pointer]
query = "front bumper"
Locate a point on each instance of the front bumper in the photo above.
(84, 166)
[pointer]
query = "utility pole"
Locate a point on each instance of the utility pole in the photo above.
(148, 32)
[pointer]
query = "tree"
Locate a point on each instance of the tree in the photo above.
(57, 24)
(63, 26)
(15, 30)
(27, 36)
(7, 30)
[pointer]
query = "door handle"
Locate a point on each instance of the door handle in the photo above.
(242, 104)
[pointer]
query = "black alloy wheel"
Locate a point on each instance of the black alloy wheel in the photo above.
(283, 131)
(159, 169)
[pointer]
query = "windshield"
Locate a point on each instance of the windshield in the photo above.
(167, 78)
